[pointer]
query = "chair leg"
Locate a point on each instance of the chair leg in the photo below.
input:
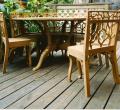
(70, 68)
(28, 54)
(86, 77)
(38, 50)
(107, 60)
(62, 52)
(100, 59)
(1, 55)
(113, 60)
(65, 51)
(12, 55)
(52, 53)
(5, 63)
(79, 68)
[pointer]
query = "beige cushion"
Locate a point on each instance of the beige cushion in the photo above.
(18, 42)
(12, 40)
(76, 51)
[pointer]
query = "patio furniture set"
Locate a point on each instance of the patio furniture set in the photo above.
(101, 33)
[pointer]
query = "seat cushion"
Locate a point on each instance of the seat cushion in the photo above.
(17, 42)
(76, 51)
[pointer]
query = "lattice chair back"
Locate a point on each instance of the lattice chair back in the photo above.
(77, 12)
(101, 30)
(3, 29)
(17, 27)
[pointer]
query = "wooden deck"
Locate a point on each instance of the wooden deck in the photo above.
(49, 87)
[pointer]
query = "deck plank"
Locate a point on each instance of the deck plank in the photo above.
(62, 101)
(31, 76)
(22, 75)
(6, 77)
(80, 100)
(76, 103)
(34, 95)
(99, 100)
(43, 101)
(51, 95)
(49, 88)
(115, 97)
(114, 101)
(14, 67)
(37, 80)
(103, 93)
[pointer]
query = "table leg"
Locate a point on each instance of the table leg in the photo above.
(44, 54)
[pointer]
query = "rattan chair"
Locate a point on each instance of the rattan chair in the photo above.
(102, 40)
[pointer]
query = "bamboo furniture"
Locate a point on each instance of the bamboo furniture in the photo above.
(102, 40)
(12, 43)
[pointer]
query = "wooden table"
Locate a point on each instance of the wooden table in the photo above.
(44, 20)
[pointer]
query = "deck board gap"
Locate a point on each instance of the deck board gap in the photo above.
(51, 89)
(36, 88)
(109, 96)
(60, 94)
(96, 89)
(29, 75)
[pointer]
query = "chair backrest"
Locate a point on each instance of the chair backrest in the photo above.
(3, 27)
(21, 27)
(16, 27)
(101, 29)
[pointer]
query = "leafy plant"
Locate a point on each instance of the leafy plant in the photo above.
(10, 6)
(37, 6)
(31, 26)
(43, 5)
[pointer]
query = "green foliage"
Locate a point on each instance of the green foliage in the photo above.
(32, 5)
(39, 6)
(31, 26)
(11, 5)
